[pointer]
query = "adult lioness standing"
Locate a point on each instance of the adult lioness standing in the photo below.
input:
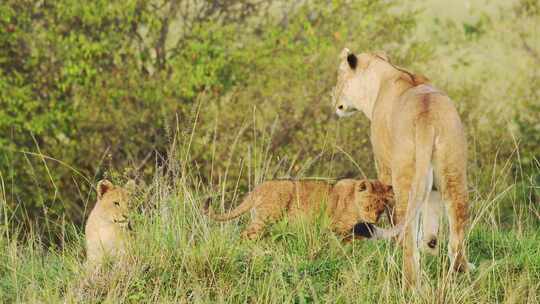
(415, 131)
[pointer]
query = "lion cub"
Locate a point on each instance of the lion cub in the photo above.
(347, 202)
(106, 228)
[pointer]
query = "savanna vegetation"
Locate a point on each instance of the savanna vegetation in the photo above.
(197, 99)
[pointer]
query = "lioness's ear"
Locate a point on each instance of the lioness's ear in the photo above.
(419, 79)
(382, 55)
(344, 53)
(103, 187)
(352, 60)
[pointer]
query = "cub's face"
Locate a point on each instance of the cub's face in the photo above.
(113, 203)
(374, 198)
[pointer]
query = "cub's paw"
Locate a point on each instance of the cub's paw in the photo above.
(464, 267)
(471, 267)
(430, 245)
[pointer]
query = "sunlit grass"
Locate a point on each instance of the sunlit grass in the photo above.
(178, 255)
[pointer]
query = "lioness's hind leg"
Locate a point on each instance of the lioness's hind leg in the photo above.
(402, 176)
(453, 183)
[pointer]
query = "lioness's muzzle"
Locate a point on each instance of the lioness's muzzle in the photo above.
(343, 111)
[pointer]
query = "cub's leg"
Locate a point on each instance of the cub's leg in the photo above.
(384, 174)
(269, 211)
(253, 230)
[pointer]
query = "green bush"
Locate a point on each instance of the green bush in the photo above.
(95, 87)
(117, 88)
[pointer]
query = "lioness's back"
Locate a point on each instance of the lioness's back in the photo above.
(428, 103)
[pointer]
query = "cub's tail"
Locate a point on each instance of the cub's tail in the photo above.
(244, 207)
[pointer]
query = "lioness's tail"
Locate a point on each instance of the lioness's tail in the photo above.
(244, 207)
(425, 139)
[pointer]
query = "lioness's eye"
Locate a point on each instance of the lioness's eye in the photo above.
(117, 204)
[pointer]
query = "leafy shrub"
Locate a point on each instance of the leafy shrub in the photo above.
(95, 87)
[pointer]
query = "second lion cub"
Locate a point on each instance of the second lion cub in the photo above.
(106, 229)
(347, 202)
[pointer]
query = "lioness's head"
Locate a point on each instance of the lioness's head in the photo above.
(358, 82)
(359, 79)
(112, 202)
(374, 198)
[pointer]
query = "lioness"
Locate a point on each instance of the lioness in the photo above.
(106, 228)
(415, 131)
(346, 203)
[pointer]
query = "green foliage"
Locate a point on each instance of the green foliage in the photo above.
(528, 126)
(75, 87)
(239, 92)
(55, 57)
(93, 87)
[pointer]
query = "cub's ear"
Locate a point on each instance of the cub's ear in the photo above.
(130, 186)
(352, 60)
(103, 187)
(388, 188)
(364, 185)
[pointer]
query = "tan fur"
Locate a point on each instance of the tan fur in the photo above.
(346, 203)
(431, 215)
(415, 131)
(106, 228)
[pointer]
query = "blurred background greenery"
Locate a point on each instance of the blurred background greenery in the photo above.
(109, 88)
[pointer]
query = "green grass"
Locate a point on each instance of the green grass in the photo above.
(178, 255)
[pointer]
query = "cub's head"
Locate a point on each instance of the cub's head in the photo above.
(374, 198)
(112, 202)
